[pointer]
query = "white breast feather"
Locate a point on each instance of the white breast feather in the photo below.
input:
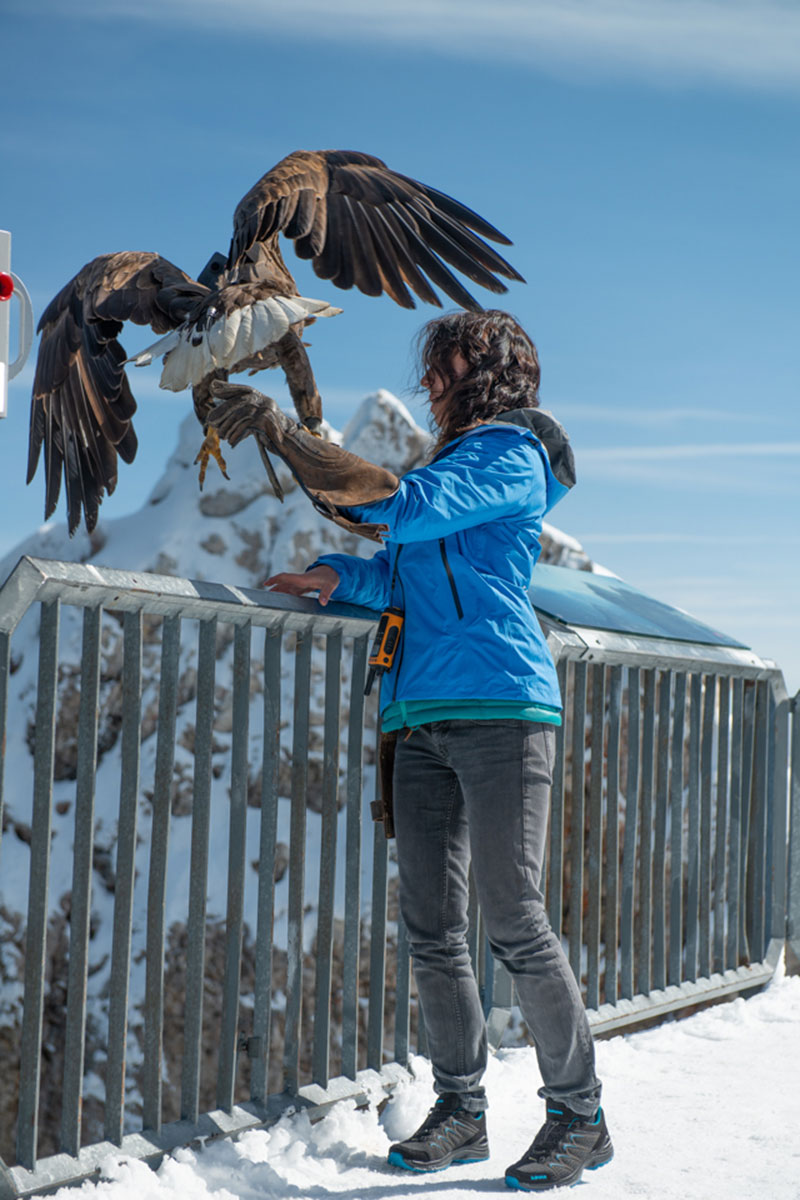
(228, 340)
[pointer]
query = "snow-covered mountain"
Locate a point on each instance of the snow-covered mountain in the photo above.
(234, 532)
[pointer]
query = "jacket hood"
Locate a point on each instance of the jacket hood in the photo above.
(551, 433)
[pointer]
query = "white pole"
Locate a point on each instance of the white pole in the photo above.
(5, 315)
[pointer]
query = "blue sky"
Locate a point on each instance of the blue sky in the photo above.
(643, 158)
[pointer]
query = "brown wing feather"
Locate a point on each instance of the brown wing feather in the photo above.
(82, 403)
(363, 224)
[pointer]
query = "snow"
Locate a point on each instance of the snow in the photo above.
(705, 1108)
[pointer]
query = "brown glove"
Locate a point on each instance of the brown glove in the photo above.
(331, 477)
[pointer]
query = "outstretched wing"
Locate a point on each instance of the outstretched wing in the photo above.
(362, 224)
(82, 404)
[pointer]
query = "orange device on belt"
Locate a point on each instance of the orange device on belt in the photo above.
(385, 644)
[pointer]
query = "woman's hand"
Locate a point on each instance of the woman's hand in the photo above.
(322, 579)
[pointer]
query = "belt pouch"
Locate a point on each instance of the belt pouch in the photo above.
(383, 809)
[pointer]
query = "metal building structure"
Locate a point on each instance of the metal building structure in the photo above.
(672, 873)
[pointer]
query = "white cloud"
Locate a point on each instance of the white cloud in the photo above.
(745, 42)
(701, 467)
(659, 416)
(637, 454)
(683, 539)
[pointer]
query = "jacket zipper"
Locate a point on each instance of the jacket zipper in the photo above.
(452, 581)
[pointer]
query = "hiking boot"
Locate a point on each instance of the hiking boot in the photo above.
(448, 1135)
(565, 1146)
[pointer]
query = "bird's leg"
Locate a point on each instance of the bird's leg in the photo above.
(210, 449)
(300, 378)
(204, 401)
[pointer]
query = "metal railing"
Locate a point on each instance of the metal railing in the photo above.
(666, 872)
(667, 869)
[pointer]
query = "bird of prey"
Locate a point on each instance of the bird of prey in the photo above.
(359, 222)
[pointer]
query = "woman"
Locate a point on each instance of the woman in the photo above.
(474, 687)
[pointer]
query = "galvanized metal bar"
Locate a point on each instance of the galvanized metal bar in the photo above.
(595, 847)
(352, 918)
(377, 948)
(706, 817)
(473, 927)
(778, 801)
(721, 813)
(578, 731)
(327, 867)
(555, 872)
(402, 1003)
(297, 857)
(645, 949)
(81, 902)
(758, 827)
(485, 973)
(676, 833)
(262, 1002)
(772, 709)
(693, 830)
(748, 755)
(627, 948)
(611, 874)
(88, 585)
(660, 833)
(793, 868)
(157, 881)
(38, 889)
(5, 671)
(237, 846)
(60, 1170)
(130, 742)
(422, 1036)
(198, 875)
(483, 969)
(735, 825)
(660, 1004)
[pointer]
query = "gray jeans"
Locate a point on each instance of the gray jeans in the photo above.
(480, 790)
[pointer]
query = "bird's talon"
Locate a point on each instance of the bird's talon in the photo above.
(210, 449)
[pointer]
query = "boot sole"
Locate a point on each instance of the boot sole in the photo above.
(452, 1160)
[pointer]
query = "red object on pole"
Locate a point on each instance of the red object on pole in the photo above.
(6, 286)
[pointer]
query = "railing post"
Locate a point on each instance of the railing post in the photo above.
(793, 873)
(38, 911)
(81, 897)
(126, 876)
(237, 832)
(352, 919)
(5, 670)
(198, 878)
(297, 864)
(327, 866)
(262, 1010)
(778, 799)
(157, 878)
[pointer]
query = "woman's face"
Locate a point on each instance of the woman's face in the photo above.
(437, 385)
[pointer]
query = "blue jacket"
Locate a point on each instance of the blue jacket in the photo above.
(462, 544)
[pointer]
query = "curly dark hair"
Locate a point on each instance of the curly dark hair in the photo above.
(503, 367)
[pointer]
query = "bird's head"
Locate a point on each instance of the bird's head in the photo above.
(212, 272)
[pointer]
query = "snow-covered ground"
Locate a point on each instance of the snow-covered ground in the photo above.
(707, 1108)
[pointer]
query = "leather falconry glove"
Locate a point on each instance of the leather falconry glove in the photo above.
(331, 477)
